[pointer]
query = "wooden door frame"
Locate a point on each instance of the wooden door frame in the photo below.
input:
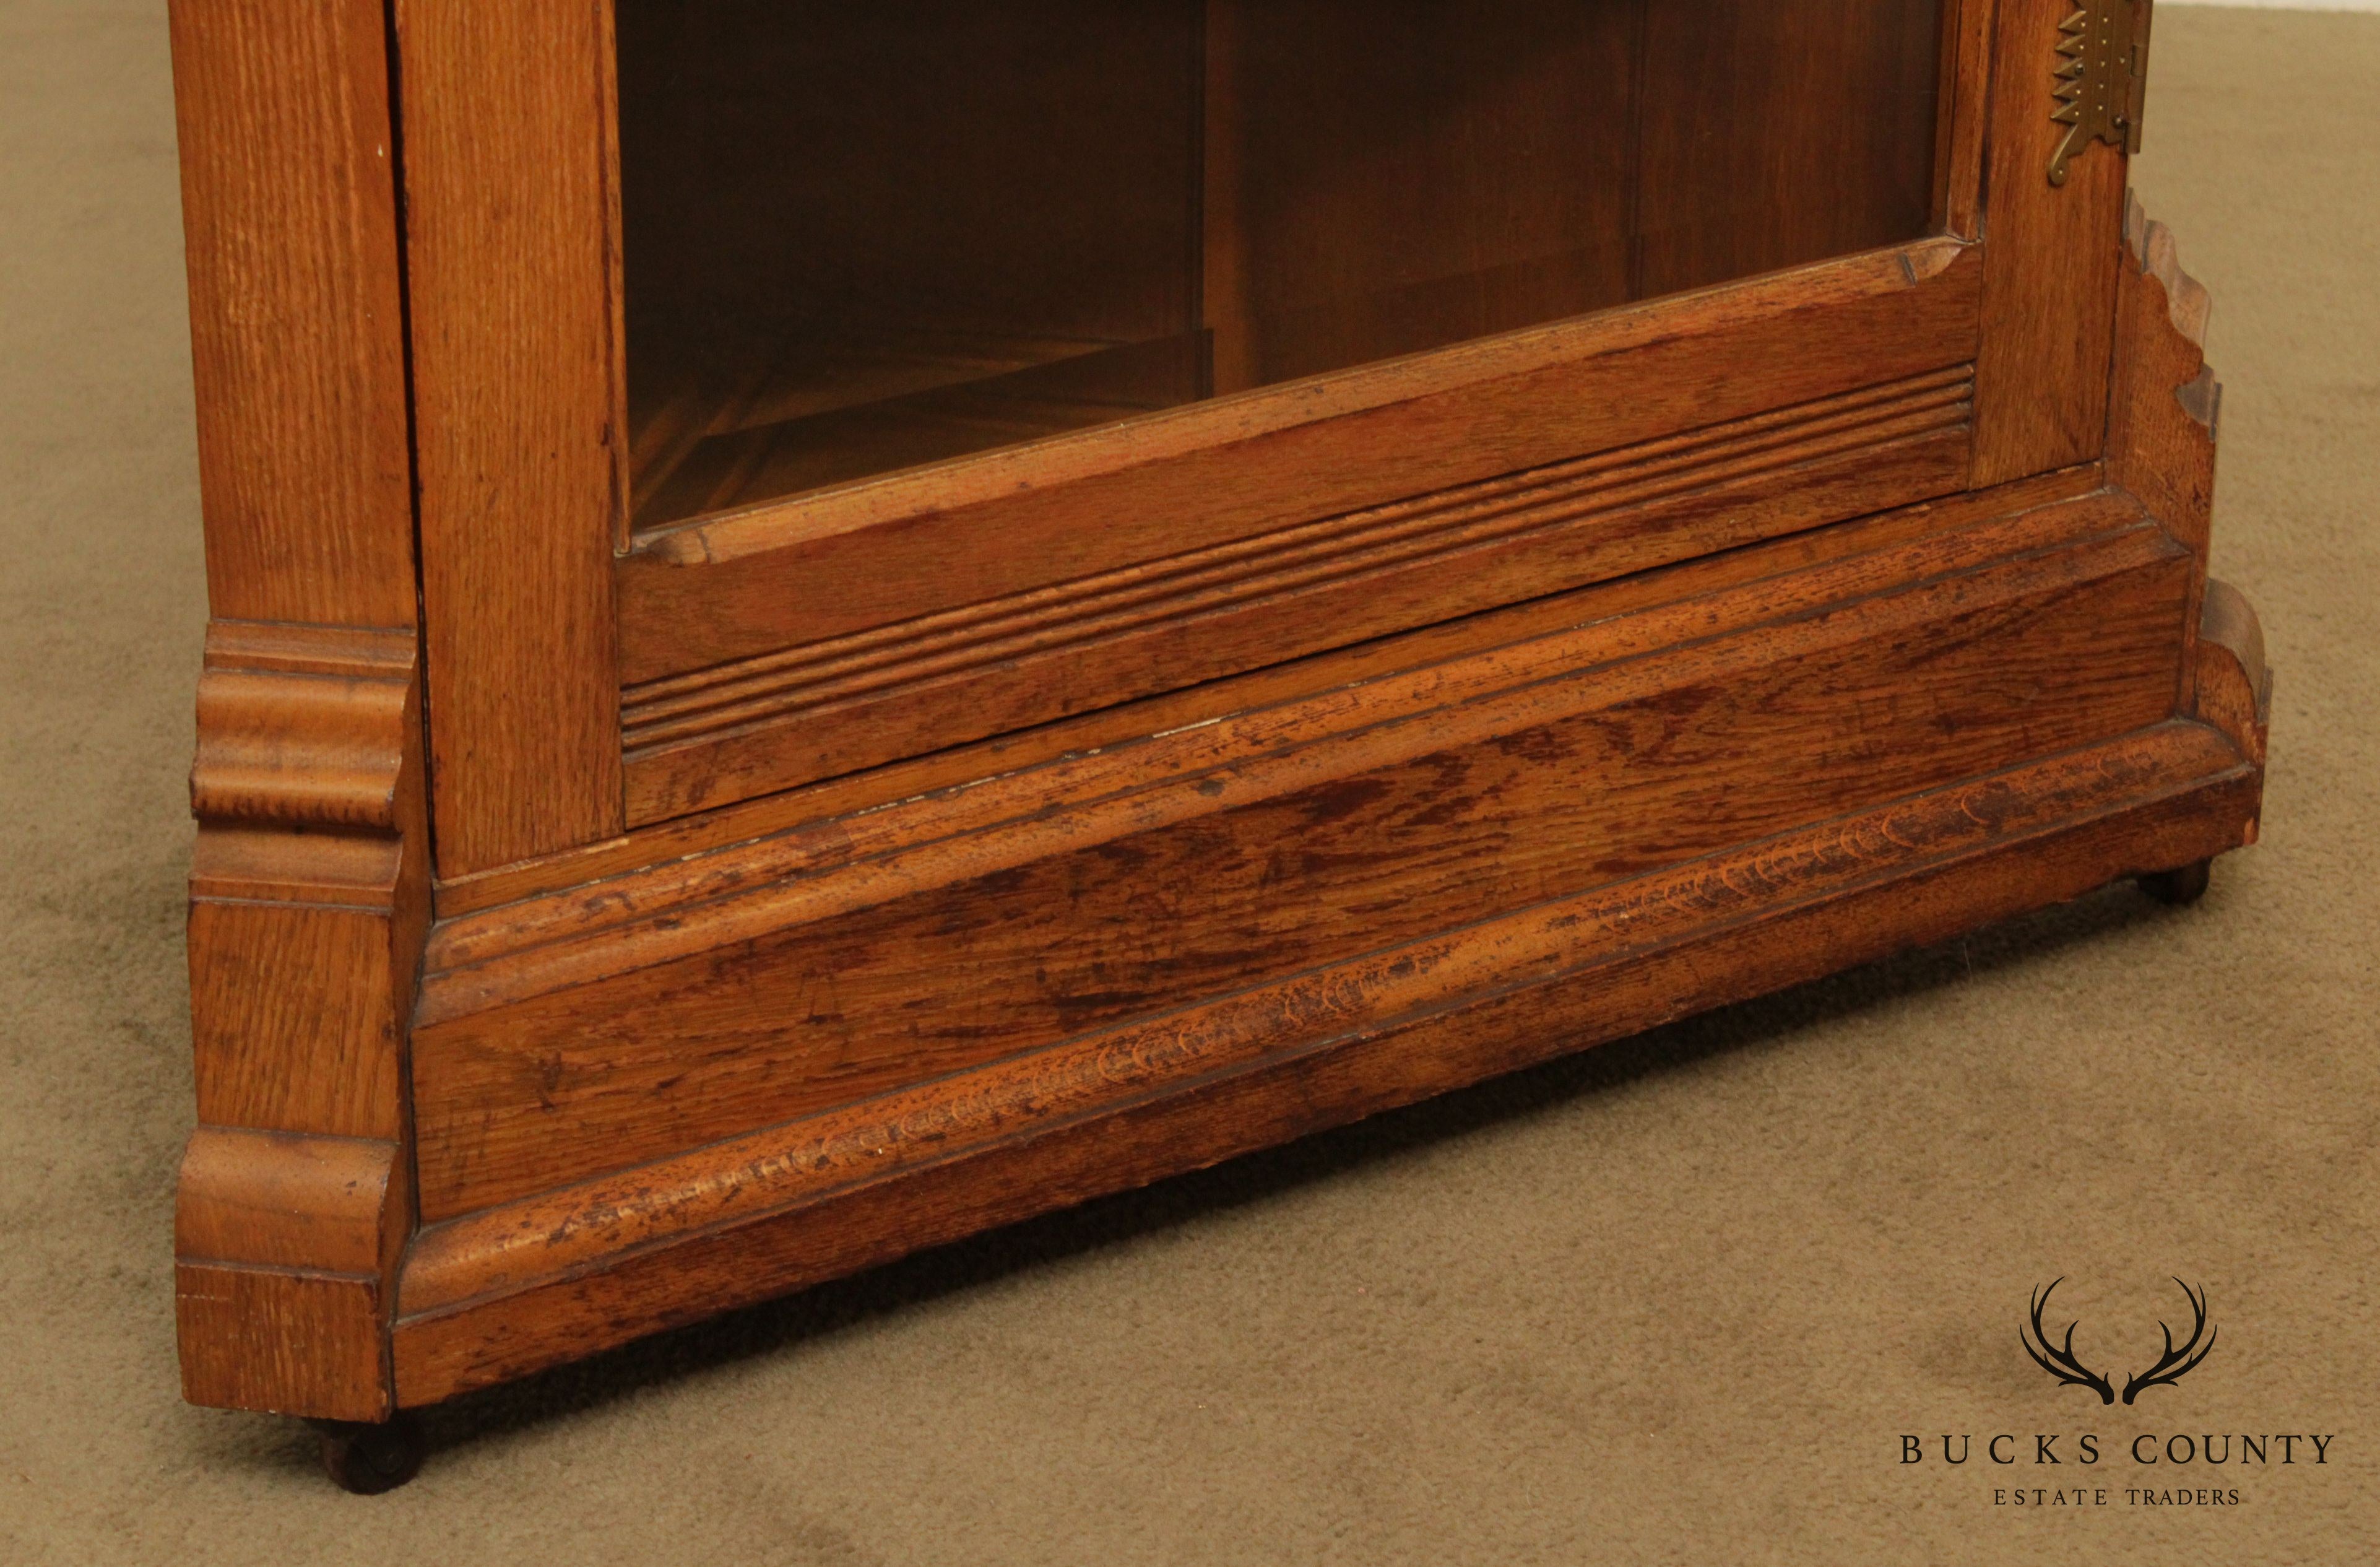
(512, 263)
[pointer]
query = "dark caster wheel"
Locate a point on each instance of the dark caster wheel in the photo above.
(2185, 885)
(368, 1459)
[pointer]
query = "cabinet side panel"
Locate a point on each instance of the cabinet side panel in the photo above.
(289, 216)
(508, 243)
(2050, 262)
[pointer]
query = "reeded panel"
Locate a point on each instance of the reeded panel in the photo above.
(864, 238)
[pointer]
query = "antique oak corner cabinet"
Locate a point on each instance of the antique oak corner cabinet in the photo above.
(836, 624)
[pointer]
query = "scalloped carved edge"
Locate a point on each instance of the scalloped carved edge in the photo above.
(2166, 404)
(2155, 253)
(309, 914)
(2189, 306)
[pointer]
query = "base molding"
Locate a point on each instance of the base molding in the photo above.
(503, 1292)
(284, 1248)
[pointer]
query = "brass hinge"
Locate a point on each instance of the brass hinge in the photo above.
(2103, 77)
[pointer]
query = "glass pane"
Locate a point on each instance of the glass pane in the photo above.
(864, 238)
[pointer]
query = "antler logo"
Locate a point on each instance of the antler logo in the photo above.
(2060, 1362)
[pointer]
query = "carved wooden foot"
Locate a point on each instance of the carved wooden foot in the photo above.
(2183, 885)
(367, 1458)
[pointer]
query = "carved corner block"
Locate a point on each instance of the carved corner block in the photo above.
(308, 908)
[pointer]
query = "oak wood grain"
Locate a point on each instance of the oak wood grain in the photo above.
(2232, 688)
(745, 888)
(279, 1342)
(756, 582)
(515, 1288)
(2050, 255)
(2165, 407)
(297, 322)
(1557, 785)
(309, 885)
(2165, 403)
(1158, 791)
(310, 903)
(524, 896)
(748, 728)
(283, 1199)
(510, 255)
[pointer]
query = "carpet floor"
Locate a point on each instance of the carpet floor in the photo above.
(1680, 1299)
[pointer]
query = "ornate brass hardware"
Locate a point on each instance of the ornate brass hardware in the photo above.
(2103, 73)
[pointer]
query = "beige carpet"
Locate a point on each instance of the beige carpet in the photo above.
(1676, 1301)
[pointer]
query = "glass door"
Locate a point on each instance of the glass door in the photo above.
(859, 239)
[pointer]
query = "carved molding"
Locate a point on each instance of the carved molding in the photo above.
(291, 1241)
(2154, 251)
(302, 726)
(309, 910)
(669, 906)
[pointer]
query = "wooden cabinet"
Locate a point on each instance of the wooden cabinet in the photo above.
(834, 626)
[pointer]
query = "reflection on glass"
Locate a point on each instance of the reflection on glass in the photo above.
(863, 237)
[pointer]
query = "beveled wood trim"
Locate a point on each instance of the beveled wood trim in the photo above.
(788, 718)
(757, 581)
(556, 1275)
(282, 1199)
(511, 262)
(296, 326)
(2051, 256)
(285, 1264)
